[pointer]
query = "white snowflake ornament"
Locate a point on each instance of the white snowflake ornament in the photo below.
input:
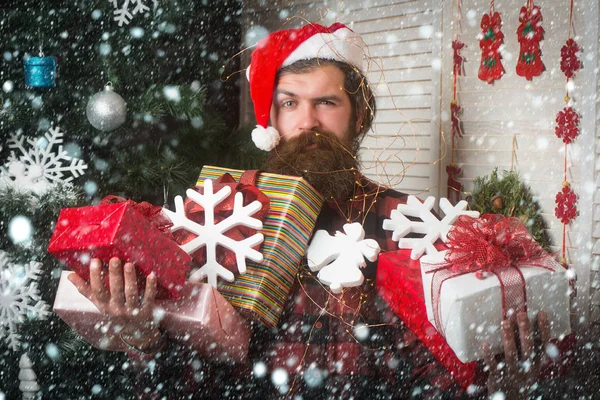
(19, 297)
(211, 234)
(37, 168)
(429, 225)
(339, 258)
(122, 14)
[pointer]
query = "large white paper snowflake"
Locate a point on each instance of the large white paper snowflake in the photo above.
(211, 234)
(123, 15)
(19, 297)
(429, 225)
(339, 258)
(39, 167)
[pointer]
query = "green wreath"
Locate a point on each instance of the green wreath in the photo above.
(508, 196)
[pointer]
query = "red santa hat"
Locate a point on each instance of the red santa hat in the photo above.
(283, 48)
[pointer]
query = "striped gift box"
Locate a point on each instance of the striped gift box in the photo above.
(262, 291)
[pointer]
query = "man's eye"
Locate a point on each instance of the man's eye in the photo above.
(327, 102)
(288, 103)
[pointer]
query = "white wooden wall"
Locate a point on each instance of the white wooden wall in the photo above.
(509, 124)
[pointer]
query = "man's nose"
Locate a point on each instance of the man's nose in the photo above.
(309, 118)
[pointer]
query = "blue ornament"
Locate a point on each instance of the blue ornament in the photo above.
(40, 71)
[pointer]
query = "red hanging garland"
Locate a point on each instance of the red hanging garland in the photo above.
(454, 186)
(530, 33)
(569, 58)
(492, 37)
(567, 125)
(566, 204)
(457, 45)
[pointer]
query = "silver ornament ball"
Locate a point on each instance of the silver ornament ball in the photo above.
(106, 110)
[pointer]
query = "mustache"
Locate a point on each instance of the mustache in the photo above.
(323, 140)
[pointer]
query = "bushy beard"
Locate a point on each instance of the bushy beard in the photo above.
(328, 164)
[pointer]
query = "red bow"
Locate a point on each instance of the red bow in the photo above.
(493, 21)
(151, 212)
(491, 242)
(494, 244)
(195, 212)
(533, 15)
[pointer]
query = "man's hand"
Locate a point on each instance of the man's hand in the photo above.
(122, 303)
(515, 375)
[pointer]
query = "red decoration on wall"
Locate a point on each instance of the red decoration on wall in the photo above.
(456, 129)
(454, 186)
(530, 33)
(566, 207)
(492, 37)
(567, 125)
(457, 45)
(569, 58)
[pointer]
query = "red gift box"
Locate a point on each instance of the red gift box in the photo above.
(399, 283)
(119, 230)
(201, 317)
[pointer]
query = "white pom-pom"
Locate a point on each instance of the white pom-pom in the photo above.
(265, 138)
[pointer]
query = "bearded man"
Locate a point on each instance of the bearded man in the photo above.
(307, 83)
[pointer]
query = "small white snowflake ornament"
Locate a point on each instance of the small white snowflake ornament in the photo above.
(39, 167)
(19, 297)
(339, 258)
(211, 234)
(122, 14)
(429, 225)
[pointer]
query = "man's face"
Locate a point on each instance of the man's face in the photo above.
(313, 101)
(313, 115)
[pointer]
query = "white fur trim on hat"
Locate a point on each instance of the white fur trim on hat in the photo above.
(265, 138)
(341, 45)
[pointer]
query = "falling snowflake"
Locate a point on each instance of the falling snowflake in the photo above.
(19, 297)
(211, 234)
(38, 168)
(338, 258)
(430, 225)
(122, 14)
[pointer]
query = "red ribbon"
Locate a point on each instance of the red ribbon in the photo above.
(493, 244)
(151, 212)
(195, 212)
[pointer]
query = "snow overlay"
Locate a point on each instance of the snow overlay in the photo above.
(41, 165)
(339, 258)
(19, 297)
(212, 234)
(429, 225)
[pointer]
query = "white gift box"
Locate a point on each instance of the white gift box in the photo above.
(470, 308)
